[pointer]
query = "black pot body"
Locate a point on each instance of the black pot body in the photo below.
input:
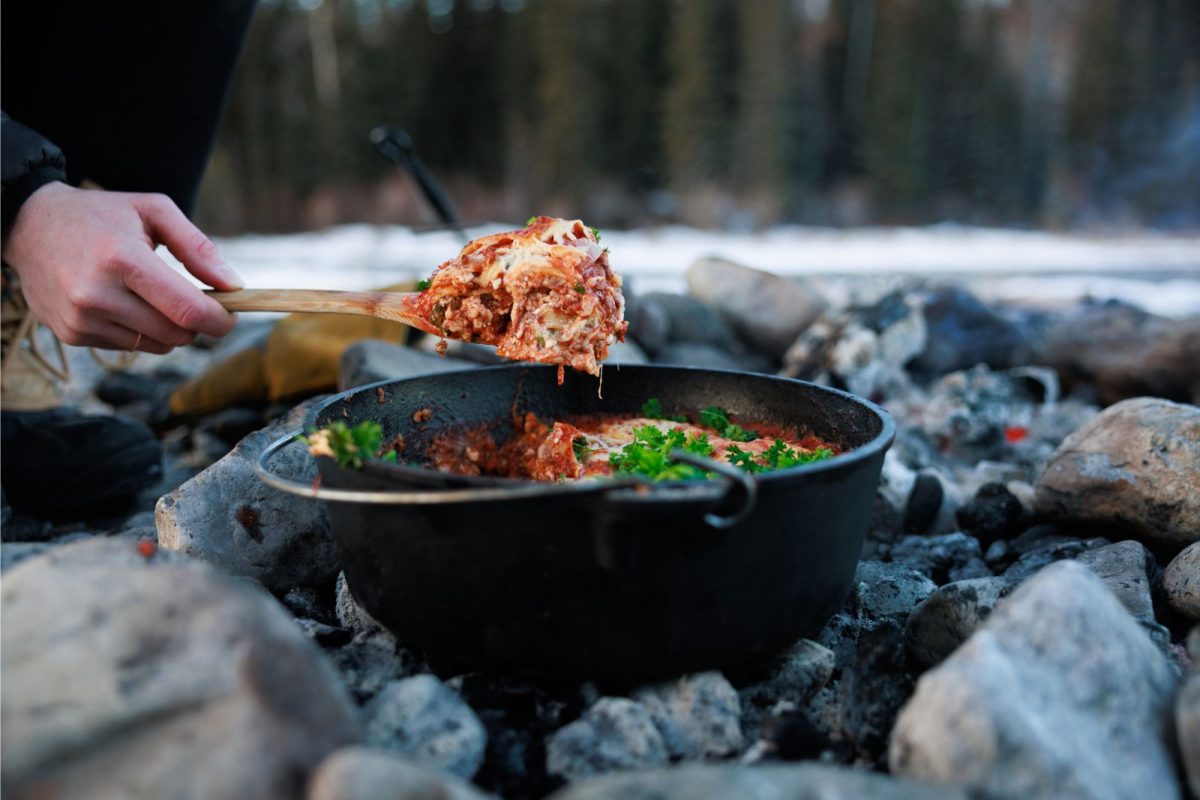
(620, 585)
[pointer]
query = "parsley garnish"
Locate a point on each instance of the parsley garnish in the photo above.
(348, 446)
(777, 456)
(424, 284)
(579, 287)
(652, 409)
(595, 232)
(715, 417)
(580, 445)
(530, 221)
(648, 455)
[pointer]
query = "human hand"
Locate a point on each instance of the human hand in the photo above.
(88, 269)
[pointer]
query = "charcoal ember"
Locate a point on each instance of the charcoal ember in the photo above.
(883, 527)
(924, 503)
(308, 602)
(424, 720)
(616, 733)
(699, 716)
(323, 634)
(887, 591)
(862, 348)
(792, 677)
(792, 735)
(1034, 560)
(840, 636)
(949, 557)
(993, 513)
(518, 716)
(875, 687)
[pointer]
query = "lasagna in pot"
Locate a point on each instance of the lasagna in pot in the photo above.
(545, 293)
(624, 445)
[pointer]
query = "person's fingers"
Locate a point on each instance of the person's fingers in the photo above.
(168, 225)
(133, 312)
(111, 336)
(179, 301)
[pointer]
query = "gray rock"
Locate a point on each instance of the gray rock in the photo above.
(1127, 569)
(1059, 694)
(13, 553)
(964, 332)
(992, 513)
(615, 733)
(794, 676)
(1187, 727)
(697, 715)
(949, 557)
(1120, 351)
(229, 518)
(128, 676)
(422, 719)
(765, 782)
(657, 319)
(767, 311)
(1181, 582)
(1052, 549)
(372, 360)
(691, 354)
(946, 618)
(888, 591)
(1136, 466)
(363, 773)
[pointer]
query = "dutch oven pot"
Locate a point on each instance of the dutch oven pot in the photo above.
(619, 581)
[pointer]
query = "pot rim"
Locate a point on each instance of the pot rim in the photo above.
(676, 489)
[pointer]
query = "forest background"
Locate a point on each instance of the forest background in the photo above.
(721, 114)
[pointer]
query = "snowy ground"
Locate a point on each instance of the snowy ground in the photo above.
(1158, 272)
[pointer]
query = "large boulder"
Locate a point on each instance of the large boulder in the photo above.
(766, 310)
(1136, 467)
(1120, 351)
(362, 773)
(768, 782)
(1059, 694)
(135, 675)
(231, 519)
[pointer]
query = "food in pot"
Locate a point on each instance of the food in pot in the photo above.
(596, 446)
(545, 293)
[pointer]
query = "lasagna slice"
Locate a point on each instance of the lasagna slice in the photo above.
(545, 293)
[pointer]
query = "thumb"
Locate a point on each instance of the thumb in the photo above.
(167, 225)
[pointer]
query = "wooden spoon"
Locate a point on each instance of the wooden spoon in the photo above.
(394, 306)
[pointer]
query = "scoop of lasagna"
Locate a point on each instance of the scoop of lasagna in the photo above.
(545, 293)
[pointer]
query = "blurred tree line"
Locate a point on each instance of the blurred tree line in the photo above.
(721, 113)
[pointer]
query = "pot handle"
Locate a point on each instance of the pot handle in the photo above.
(314, 491)
(738, 497)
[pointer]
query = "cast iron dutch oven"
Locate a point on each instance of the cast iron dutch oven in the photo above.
(613, 580)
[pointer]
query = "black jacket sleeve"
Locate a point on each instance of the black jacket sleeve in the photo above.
(28, 162)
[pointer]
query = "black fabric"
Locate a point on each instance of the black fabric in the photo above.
(60, 462)
(29, 162)
(131, 91)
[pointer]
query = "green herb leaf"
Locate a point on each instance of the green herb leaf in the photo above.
(348, 446)
(714, 417)
(424, 284)
(717, 418)
(579, 287)
(648, 455)
(531, 220)
(580, 445)
(742, 459)
(595, 232)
